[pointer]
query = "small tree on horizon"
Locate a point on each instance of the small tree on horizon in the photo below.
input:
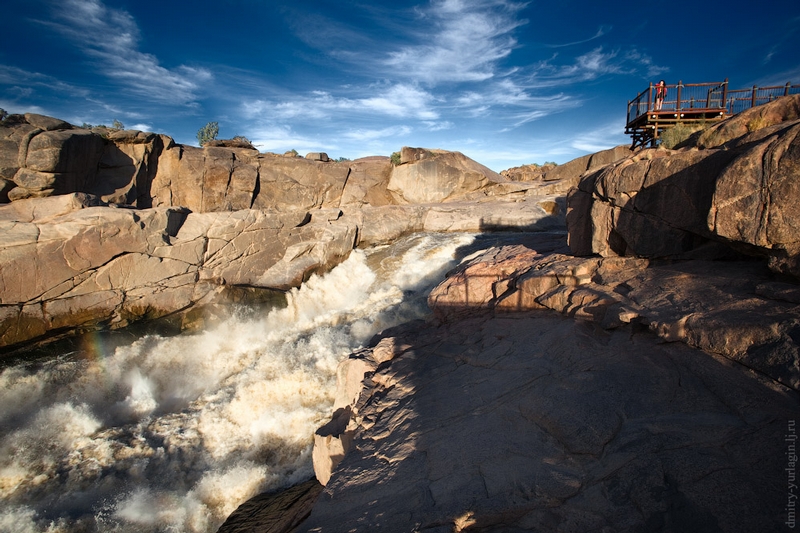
(208, 133)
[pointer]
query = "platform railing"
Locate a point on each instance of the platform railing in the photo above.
(706, 96)
(687, 96)
(641, 104)
(742, 99)
(680, 96)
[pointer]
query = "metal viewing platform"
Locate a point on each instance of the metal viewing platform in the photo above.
(693, 103)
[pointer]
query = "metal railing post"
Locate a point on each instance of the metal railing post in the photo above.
(649, 97)
(725, 93)
(786, 90)
(678, 101)
(753, 100)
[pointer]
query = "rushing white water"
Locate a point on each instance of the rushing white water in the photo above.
(173, 433)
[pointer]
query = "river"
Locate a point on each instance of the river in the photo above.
(172, 433)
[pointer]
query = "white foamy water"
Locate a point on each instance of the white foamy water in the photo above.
(172, 434)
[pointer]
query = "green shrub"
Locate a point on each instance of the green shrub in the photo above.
(3, 114)
(395, 158)
(677, 134)
(207, 133)
(117, 125)
(757, 123)
(341, 160)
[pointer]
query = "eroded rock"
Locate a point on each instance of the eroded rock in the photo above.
(80, 267)
(438, 176)
(731, 308)
(534, 421)
(662, 203)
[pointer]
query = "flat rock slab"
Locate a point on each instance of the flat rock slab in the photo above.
(537, 422)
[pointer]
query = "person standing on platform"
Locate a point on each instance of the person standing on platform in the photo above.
(661, 93)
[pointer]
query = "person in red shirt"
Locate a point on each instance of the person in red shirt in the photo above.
(661, 93)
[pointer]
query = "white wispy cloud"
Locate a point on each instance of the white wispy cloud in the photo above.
(397, 101)
(15, 108)
(110, 37)
(278, 138)
(513, 102)
(402, 100)
(590, 66)
(459, 40)
(643, 62)
(27, 80)
(602, 137)
(600, 32)
(432, 125)
(368, 135)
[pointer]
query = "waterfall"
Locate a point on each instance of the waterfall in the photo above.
(173, 433)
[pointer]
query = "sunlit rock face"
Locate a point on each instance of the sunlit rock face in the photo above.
(428, 176)
(70, 264)
(553, 178)
(67, 265)
(193, 221)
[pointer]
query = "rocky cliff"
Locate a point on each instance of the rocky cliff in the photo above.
(101, 228)
(662, 394)
(43, 156)
(740, 192)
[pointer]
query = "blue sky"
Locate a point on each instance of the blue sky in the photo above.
(505, 82)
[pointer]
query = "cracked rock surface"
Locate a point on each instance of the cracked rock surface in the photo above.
(534, 421)
(571, 394)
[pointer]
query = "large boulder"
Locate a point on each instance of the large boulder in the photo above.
(220, 178)
(656, 193)
(12, 137)
(298, 183)
(751, 120)
(662, 203)
(207, 179)
(127, 167)
(432, 176)
(756, 200)
(367, 181)
(43, 156)
(57, 162)
(179, 178)
(571, 170)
